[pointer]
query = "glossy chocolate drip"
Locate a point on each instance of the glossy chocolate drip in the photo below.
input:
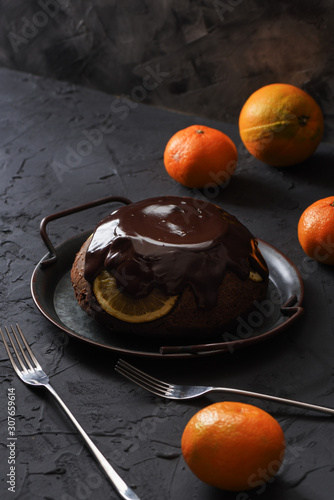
(171, 242)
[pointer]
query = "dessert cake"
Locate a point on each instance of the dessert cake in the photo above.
(169, 266)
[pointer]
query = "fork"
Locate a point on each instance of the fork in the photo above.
(174, 391)
(30, 372)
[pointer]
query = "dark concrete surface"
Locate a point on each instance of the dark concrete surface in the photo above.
(46, 167)
(210, 55)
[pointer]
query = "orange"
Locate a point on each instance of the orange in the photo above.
(316, 230)
(129, 309)
(233, 446)
(281, 125)
(200, 156)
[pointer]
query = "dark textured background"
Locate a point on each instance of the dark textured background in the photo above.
(210, 55)
(42, 125)
(188, 56)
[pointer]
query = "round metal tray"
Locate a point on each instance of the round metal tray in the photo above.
(53, 294)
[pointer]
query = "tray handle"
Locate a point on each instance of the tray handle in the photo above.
(64, 213)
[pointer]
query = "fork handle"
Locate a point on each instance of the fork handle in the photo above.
(123, 490)
(276, 399)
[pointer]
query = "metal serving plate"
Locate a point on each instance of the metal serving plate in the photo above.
(53, 294)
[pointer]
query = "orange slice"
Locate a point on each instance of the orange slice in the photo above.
(255, 276)
(132, 310)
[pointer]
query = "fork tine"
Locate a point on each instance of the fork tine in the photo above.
(20, 347)
(143, 375)
(143, 384)
(31, 354)
(19, 350)
(16, 368)
(142, 379)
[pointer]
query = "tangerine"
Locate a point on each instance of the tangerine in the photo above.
(281, 125)
(233, 446)
(198, 156)
(316, 230)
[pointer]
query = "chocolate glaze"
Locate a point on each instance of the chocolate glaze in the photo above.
(171, 242)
